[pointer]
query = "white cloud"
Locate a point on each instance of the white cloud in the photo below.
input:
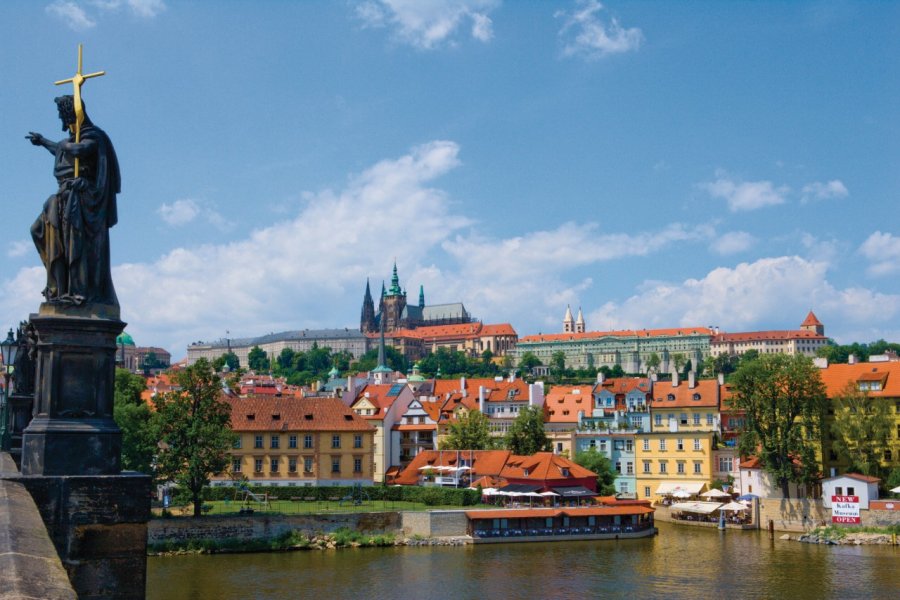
(182, 212)
(72, 13)
(745, 195)
(18, 248)
(883, 250)
(586, 35)
(733, 242)
(428, 24)
(824, 191)
(146, 8)
(749, 296)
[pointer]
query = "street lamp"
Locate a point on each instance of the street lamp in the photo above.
(9, 348)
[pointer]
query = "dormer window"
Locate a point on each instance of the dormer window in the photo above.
(525, 472)
(670, 397)
(251, 417)
(276, 416)
(696, 396)
(565, 471)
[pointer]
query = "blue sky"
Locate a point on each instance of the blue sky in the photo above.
(659, 164)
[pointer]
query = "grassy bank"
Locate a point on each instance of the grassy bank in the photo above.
(291, 540)
(291, 507)
(832, 532)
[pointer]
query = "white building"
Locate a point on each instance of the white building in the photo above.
(850, 484)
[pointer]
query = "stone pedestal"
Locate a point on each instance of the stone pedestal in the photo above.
(98, 525)
(72, 431)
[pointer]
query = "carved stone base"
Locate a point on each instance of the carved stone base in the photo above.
(73, 431)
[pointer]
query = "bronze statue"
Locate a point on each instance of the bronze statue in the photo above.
(72, 232)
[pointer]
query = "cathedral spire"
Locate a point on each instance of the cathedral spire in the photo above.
(421, 296)
(367, 318)
(395, 283)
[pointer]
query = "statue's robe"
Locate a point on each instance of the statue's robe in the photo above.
(72, 232)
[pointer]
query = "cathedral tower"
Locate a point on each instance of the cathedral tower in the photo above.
(367, 318)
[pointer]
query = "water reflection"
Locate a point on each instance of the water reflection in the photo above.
(680, 562)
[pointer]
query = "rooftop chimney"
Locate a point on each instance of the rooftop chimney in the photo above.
(462, 386)
(600, 377)
(692, 379)
(721, 378)
(851, 360)
(674, 378)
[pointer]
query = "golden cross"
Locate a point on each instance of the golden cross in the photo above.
(77, 80)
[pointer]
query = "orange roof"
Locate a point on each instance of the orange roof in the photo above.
(377, 396)
(543, 466)
(836, 377)
(810, 320)
(623, 385)
(683, 395)
(751, 463)
(483, 462)
(416, 427)
(432, 409)
(562, 403)
(294, 414)
(498, 329)
(754, 336)
(638, 333)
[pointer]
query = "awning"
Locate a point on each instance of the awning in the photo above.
(704, 508)
(574, 492)
(668, 487)
(522, 488)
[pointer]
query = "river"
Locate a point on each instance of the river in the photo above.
(681, 562)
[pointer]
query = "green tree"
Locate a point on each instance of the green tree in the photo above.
(137, 422)
(595, 461)
(469, 431)
(892, 481)
(526, 434)
(861, 429)
(558, 364)
(678, 360)
(230, 359)
(528, 361)
(653, 361)
(194, 430)
(783, 398)
(258, 360)
(394, 358)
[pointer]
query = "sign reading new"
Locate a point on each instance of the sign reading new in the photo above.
(845, 509)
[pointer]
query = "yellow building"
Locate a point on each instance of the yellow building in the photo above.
(876, 380)
(670, 460)
(299, 442)
(691, 405)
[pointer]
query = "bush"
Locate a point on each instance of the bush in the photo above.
(431, 496)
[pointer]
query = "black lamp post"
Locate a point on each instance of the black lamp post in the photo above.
(9, 348)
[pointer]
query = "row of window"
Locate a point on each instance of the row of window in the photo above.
(679, 444)
(683, 418)
(275, 441)
(308, 465)
(680, 466)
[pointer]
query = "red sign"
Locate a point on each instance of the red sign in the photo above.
(845, 509)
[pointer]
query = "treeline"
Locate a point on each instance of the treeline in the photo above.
(840, 353)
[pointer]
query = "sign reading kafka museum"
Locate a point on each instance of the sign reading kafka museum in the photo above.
(845, 509)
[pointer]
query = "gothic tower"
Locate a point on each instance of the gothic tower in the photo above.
(579, 322)
(367, 318)
(568, 321)
(393, 303)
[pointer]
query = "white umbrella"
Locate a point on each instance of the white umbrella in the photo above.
(681, 494)
(733, 506)
(714, 493)
(548, 494)
(488, 492)
(896, 490)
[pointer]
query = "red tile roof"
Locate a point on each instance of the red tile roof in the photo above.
(858, 477)
(706, 389)
(639, 333)
(810, 320)
(562, 404)
(755, 336)
(836, 377)
(294, 414)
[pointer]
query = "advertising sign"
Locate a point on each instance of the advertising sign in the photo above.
(845, 509)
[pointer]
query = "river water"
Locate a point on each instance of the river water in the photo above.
(681, 562)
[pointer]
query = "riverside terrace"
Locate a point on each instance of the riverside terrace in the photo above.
(560, 524)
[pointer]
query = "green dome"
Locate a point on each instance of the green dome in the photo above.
(124, 339)
(333, 373)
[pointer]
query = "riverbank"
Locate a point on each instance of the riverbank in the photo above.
(295, 541)
(837, 536)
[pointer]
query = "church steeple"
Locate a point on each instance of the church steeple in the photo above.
(421, 296)
(382, 373)
(367, 318)
(579, 322)
(568, 321)
(395, 283)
